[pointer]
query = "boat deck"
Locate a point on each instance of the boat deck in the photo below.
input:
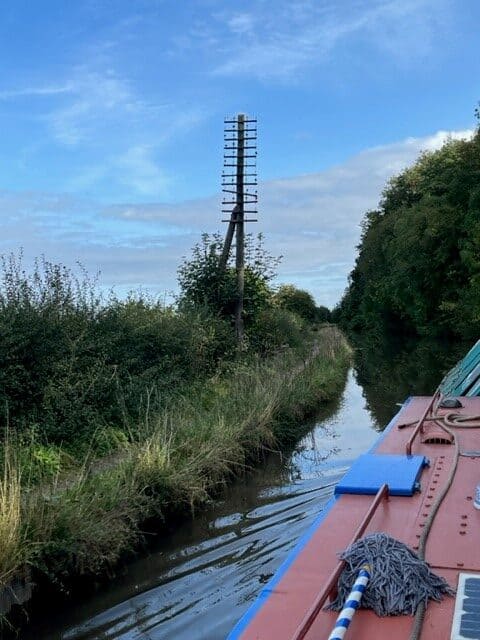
(453, 544)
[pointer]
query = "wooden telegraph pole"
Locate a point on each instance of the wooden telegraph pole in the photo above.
(239, 175)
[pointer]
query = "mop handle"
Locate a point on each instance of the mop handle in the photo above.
(351, 605)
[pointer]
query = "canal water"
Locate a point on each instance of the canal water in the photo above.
(196, 583)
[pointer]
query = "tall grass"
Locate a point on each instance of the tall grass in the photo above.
(12, 543)
(82, 521)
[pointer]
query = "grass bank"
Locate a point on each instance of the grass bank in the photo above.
(80, 520)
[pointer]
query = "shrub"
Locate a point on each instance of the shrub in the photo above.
(275, 328)
(297, 301)
(72, 363)
(204, 285)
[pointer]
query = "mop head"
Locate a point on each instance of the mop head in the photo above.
(400, 579)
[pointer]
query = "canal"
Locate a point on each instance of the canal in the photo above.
(198, 581)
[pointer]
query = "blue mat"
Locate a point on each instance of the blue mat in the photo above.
(371, 471)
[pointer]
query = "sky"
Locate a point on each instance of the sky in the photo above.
(112, 116)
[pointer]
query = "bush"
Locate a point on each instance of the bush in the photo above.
(276, 328)
(72, 363)
(203, 285)
(77, 368)
(297, 301)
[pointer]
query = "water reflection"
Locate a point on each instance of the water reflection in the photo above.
(389, 370)
(197, 582)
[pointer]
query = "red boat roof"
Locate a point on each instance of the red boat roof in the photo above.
(452, 545)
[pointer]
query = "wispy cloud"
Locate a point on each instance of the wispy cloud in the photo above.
(100, 111)
(36, 91)
(276, 43)
(141, 171)
(95, 96)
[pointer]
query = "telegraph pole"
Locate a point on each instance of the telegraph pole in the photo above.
(238, 177)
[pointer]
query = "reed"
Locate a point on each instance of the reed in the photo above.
(12, 542)
(81, 521)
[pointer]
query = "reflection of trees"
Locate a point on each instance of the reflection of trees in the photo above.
(390, 370)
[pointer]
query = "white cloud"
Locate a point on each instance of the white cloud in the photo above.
(278, 43)
(95, 95)
(241, 23)
(99, 110)
(312, 220)
(141, 172)
(39, 91)
(135, 169)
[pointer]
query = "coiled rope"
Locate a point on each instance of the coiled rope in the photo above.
(447, 422)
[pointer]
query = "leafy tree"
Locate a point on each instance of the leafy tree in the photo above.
(323, 314)
(418, 267)
(204, 285)
(297, 301)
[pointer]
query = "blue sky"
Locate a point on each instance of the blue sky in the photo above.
(112, 123)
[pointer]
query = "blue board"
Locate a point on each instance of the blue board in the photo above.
(371, 471)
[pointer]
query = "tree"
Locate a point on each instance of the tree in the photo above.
(204, 284)
(297, 301)
(418, 267)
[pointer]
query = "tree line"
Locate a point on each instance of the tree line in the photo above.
(418, 267)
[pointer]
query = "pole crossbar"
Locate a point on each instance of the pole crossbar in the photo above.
(249, 165)
(245, 120)
(233, 175)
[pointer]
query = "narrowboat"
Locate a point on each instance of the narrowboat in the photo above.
(417, 486)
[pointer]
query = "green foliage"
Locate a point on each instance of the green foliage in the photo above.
(418, 268)
(297, 301)
(275, 328)
(301, 303)
(83, 371)
(323, 314)
(72, 364)
(204, 285)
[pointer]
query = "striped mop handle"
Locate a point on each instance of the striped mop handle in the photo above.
(351, 605)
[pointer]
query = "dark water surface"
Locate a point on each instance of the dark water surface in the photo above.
(196, 583)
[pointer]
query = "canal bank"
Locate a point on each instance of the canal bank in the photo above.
(82, 525)
(198, 581)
